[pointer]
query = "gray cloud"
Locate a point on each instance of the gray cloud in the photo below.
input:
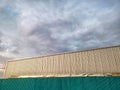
(7, 45)
(70, 26)
(67, 21)
(41, 27)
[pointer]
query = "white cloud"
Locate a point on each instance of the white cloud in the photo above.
(60, 20)
(41, 27)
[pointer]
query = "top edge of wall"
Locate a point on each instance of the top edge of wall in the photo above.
(20, 59)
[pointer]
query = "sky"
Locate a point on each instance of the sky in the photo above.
(30, 28)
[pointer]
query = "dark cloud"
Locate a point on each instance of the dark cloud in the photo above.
(61, 26)
(41, 27)
(7, 45)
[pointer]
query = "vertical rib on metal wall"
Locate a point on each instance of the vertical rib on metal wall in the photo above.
(99, 61)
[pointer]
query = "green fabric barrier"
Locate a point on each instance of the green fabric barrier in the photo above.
(61, 83)
(1, 84)
(18, 84)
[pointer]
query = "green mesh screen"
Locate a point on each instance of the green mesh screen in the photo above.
(62, 83)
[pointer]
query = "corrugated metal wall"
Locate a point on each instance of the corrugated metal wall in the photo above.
(99, 61)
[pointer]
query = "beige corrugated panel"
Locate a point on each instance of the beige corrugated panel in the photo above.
(96, 61)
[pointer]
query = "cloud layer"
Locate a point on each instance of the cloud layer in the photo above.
(41, 27)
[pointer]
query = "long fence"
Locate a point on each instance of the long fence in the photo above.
(61, 83)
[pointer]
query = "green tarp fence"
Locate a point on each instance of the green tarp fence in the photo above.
(61, 83)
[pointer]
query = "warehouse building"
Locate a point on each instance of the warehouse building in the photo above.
(96, 69)
(102, 61)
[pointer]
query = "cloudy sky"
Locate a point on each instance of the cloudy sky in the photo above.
(40, 27)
